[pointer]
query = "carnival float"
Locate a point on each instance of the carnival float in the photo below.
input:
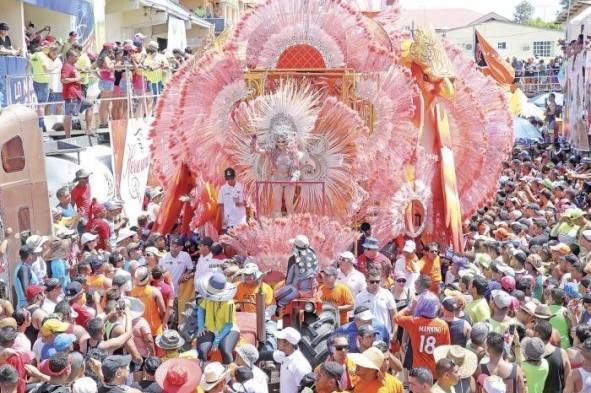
(330, 117)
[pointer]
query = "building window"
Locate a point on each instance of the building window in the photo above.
(13, 155)
(24, 219)
(501, 45)
(543, 48)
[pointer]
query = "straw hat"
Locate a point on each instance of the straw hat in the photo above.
(371, 358)
(465, 360)
(213, 374)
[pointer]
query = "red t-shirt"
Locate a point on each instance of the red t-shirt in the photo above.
(70, 90)
(82, 198)
(17, 362)
(101, 228)
(381, 261)
(165, 289)
(425, 335)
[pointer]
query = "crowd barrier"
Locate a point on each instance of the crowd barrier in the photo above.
(538, 83)
(125, 102)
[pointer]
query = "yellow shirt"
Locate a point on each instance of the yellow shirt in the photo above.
(38, 61)
(154, 61)
(84, 63)
(391, 385)
(247, 293)
(340, 295)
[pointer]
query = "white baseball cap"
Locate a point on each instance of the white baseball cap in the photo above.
(409, 246)
(348, 255)
(300, 241)
(87, 237)
(289, 334)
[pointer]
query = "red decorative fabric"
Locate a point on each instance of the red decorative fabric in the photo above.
(300, 56)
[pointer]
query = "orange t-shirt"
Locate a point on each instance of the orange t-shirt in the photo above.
(151, 312)
(247, 293)
(373, 386)
(425, 335)
(340, 295)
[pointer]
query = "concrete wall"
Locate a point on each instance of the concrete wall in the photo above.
(519, 39)
(12, 13)
(61, 24)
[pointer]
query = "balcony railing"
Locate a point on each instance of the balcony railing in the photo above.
(219, 24)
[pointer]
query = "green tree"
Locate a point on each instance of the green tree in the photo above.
(539, 22)
(523, 12)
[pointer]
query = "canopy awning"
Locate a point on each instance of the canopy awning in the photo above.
(177, 11)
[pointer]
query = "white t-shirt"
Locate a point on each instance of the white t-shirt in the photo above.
(205, 265)
(39, 267)
(55, 84)
(176, 266)
(382, 304)
(355, 280)
(228, 195)
(400, 271)
(48, 306)
(293, 369)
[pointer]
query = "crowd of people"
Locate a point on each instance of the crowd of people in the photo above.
(63, 71)
(100, 305)
(535, 74)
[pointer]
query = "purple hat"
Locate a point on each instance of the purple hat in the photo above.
(461, 262)
(427, 305)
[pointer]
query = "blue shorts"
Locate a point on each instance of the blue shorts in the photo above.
(156, 88)
(105, 85)
(41, 91)
(75, 106)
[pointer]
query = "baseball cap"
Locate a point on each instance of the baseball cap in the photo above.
(62, 342)
(73, 289)
(347, 255)
(112, 363)
(501, 298)
(409, 246)
(450, 304)
(561, 248)
(330, 271)
(32, 291)
(367, 330)
(52, 326)
(289, 334)
(533, 348)
(508, 283)
(51, 284)
(363, 313)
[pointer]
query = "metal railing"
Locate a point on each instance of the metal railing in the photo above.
(128, 102)
(538, 83)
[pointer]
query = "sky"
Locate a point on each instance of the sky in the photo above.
(545, 9)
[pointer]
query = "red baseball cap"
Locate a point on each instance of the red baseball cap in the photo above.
(33, 291)
(508, 283)
(108, 45)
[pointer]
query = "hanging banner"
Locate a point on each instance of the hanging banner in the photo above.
(135, 168)
(177, 34)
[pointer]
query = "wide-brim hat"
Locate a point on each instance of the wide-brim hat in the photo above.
(216, 287)
(370, 243)
(213, 374)
(136, 307)
(178, 376)
(543, 312)
(466, 360)
(82, 174)
(371, 358)
(170, 340)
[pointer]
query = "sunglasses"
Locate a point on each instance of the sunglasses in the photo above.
(401, 280)
(374, 281)
(341, 347)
